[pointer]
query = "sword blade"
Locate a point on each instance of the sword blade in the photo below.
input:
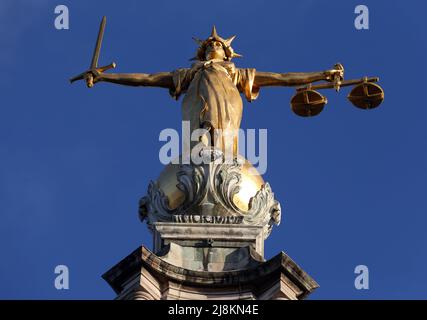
(97, 49)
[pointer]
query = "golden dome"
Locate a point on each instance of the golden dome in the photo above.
(251, 183)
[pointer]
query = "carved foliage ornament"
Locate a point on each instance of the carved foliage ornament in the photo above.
(209, 190)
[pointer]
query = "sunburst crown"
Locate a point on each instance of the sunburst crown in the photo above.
(226, 43)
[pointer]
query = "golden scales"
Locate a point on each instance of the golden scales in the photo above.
(365, 95)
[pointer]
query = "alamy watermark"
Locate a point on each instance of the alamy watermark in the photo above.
(62, 20)
(361, 22)
(361, 282)
(187, 147)
(62, 280)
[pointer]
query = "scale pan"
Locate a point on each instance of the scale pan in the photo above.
(308, 103)
(367, 95)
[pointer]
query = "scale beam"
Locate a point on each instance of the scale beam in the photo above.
(344, 83)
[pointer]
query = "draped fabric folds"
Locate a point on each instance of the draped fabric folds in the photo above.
(212, 99)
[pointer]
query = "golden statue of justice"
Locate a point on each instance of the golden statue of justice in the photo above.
(213, 84)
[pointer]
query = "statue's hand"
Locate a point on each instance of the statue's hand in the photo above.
(93, 76)
(338, 71)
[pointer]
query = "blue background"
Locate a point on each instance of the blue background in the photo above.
(74, 162)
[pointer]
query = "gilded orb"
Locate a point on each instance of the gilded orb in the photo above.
(251, 182)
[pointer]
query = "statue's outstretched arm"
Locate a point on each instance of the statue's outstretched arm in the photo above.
(161, 79)
(263, 79)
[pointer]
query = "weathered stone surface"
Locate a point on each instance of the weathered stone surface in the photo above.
(143, 275)
(194, 260)
(208, 235)
(213, 259)
(205, 245)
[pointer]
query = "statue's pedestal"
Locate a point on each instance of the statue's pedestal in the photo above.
(209, 223)
(199, 261)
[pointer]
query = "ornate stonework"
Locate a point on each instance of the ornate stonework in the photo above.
(144, 275)
(209, 196)
(185, 218)
(205, 245)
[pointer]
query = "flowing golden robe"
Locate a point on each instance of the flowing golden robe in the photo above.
(212, 97)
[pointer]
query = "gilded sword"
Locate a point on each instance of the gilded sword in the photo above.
(88, 75)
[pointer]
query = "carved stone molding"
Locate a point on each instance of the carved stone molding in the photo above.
(209, 190)
(207, 219)
(144, 275)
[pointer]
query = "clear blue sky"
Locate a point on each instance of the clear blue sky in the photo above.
(74, 161)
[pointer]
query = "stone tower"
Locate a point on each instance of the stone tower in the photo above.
(209, 222)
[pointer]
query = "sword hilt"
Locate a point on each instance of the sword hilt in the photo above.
(89, 80)
(108, 67)
(88, 75)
